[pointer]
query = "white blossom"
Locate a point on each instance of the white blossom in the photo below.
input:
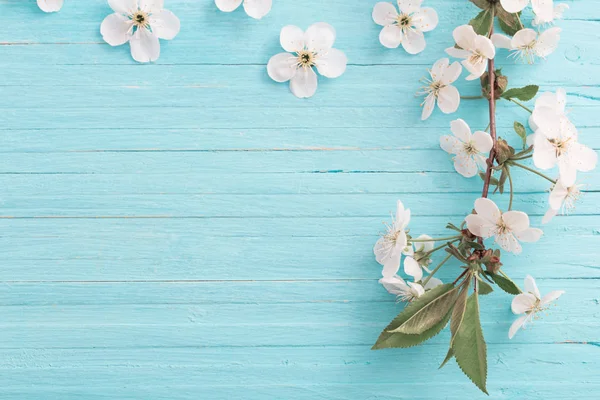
(470, 150)
(254, 8)
(420, 251)
(541, 8)
(388, 249)
(557, 13)
(438, 88)
(406, 27)
(530, 304)
(313, 48)
(556, 101)
(50, 5)
(475, 49)
(528, 45)
(506, 228)
(561, 199)
(141, 23)
(556, 143)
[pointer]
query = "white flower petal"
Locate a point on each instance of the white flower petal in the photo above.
(390, 36)
(550, 297)
(409, 6)
(478, 226)
(384, 13)
(543, 9)
(464, 36)
(557, 195)
(417, 289)
(485, 46)
(394, 285)
(257, 8)
(414, 42)
(144, 46)
(501, 41)
(514, 6)
(567, 171)
(523, 38)
(509, 242)
(519, 322)
(438, 69)
(451, 73)
(448, 99)
(531, 286)
(151, 6)
(50, 5)
(116, 29)
(165, 24)
(433, 282)
(428, 106)
(401, 242)
(228, 5)
(282, 67)
(544, 153)
(425, 19)
(465, 165)
(291, 38)
(529, 235)
(547, 42)
(332, 64)
(319, 37)
(584, 158)
(399, 212)
(487, 209)
(304, 83)
(483, 141)
(450, 144)
(425, 246)
(412, 268)
(551, 213)
(516, 221)
(123, 6)
(522, 303)
(476, 69)
(391, 266)
(457, 53)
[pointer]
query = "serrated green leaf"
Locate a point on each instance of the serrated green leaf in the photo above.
(505, 283)
(483, 4)
(458, 311)
(484, 288)
(429, 314)
(482, 22)
(469, 345)
(525, 93)
(509, 23)
(393, 340)
(449, 356)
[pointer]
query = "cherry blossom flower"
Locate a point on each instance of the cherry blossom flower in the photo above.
(530, 304)
(388, 249)
(141, 23)
(557, 13)
(439, 88)
(556, 101)
(475, 49)
(306, 50)
(561, 199)
(420, 250)
(527, 45)
(407, 291)
(556, 143)
(506, 228)
(406, 27)
(540, 7)
(254, 8)
(470, 150)
(50, 5)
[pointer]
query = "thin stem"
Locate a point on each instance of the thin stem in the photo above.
(434, 239)
(487, 128)
(521, 158)
(492, 111)
(523, 106)
(436, 269)
(510, 181)
(435, 249)
(532, 170)
(471, 97)
(461, 275)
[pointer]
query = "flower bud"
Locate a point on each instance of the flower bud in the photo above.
(503, 151)
(500, 84)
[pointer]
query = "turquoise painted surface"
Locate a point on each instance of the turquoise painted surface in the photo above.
(190, 230)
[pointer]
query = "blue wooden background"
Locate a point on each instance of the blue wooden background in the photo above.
(191, 230)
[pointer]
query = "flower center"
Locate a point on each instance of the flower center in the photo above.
(476, 57)
(305, 58)
(404, 21)
(560, 146)
(470, 149)
(526, 52)
(501, 227)
(140, 19)
(573, 194)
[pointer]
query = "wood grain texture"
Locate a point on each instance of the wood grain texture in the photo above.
(190, 230)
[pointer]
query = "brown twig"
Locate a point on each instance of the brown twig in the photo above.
(492, 109)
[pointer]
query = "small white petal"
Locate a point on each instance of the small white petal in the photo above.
(514, 6)
(531, 286)
(144, 46)
(428, 106)
(391, 266)
(425, 20)
(390, 36)
(438, 69)
(165, 24)
(544, 153)
(228, 5)
(151, 6)
(291, 38)
(567, 171)
(282, 67)
(412, 268)
(519, 322)
(304, 83)
(257, 8)
(409, 6)
(501, 41)
(483, 141)
(547, 42)
(433, 282)
(417, 289)
(529, 235)
(464, 36)
(551, 213)
(451, 73)
(478, 226)
(465, 165)
(123, 6)
(461, 130)
(448, 99)
(523, 38)
(543, 9)
(332, 64)
(319, 37)
(457, 53)
(425, 246)
(116, 29)
(516, 221)
(50, 5)
(550, 297)
(394, 285)
(487, 209)
(384, 13)
(450, 144)
(522, 303)
(584, 158)
(485, 46)
(414, 42)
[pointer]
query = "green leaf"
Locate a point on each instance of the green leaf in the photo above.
(473, 245)
(505, 283)
(449, 356)
(429, 314)
(493, 181)
(458, 311)
(482, 22)
(484, 288)
(394, 340)
(509, 23)
(483, 4)
(525, 93)
(450, 225)
(520, 129)
(469, 345)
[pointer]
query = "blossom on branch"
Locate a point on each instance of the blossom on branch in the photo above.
(438, 88)
(528, 45)
(475, 49)
(470, 150)
(562, 198)
(506, 228)
(313, 48)
(406, 27)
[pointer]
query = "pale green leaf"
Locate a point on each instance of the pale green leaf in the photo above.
(458, 311)
(482, 23)
(484, 288)
(469, 345)
(525, 93)
(449, 356)
(505, 284)
(429, 314)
